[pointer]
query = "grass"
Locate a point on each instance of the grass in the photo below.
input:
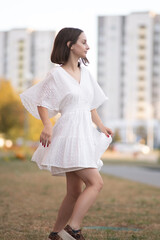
(30, 198)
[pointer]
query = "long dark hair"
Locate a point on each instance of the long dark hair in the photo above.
(61, 51)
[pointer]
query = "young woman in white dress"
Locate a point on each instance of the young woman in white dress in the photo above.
(73, 146)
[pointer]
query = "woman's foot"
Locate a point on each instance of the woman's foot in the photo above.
(69, 234)
(54, 236)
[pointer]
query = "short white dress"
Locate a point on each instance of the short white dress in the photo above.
(76, 143)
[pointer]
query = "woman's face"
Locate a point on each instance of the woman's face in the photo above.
(81, 47)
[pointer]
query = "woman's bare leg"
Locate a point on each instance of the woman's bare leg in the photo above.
(74, 189)
(94, 183)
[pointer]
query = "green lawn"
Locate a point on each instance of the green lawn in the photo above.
(30, 198)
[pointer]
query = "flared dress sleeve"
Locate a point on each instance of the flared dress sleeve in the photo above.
(45, 94)
(99, 96)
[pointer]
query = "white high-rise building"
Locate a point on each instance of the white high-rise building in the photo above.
(25, 56)
(129, 72)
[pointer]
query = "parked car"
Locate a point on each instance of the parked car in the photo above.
(130, 147)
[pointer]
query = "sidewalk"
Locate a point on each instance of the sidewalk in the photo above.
(152, 157)
(150, 176)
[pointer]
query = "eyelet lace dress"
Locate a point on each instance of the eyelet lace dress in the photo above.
(75, 142)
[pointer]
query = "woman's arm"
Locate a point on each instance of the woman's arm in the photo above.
(46, 134)
(96, 119)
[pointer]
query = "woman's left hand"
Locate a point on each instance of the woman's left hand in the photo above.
(106, 131)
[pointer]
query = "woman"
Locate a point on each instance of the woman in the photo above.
(73, 147)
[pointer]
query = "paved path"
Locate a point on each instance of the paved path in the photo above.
(145, 175)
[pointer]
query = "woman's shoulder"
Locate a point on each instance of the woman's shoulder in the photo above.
(57, 75)
(57, 71)
(85, 70)
(54, 69)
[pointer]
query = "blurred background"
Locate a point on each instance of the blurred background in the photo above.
(124, 55)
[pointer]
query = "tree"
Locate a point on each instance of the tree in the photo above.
(35, 127)
(11, 111)
(116, 137)
(15, 120)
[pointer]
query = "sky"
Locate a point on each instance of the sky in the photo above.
(54, 15)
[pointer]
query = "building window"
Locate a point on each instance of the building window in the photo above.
(21, 49)
(141, 99)
(141, 67)
(140, 88)
(20, 75)
(20, 58)
(141, 78)
(21, 41)
(141, 57)
(141, 47)
(142, 27)
(20, 66)
(155, 62)
(140, 109)
(142, 36)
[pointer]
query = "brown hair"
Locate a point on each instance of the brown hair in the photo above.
(61, 51)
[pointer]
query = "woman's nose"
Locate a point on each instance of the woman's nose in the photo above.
(88, 47)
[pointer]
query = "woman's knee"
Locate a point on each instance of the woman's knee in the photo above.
(91, 177)
(98, 185)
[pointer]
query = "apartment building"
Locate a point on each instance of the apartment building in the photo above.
(25, 56)
(129, 72)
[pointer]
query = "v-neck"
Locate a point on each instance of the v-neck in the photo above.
(75, 80)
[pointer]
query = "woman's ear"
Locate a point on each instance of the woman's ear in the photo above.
(69, 44)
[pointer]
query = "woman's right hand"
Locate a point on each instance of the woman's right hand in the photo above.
(46, 134)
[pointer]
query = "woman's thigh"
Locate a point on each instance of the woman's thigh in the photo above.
(90, 176)
(74, 184)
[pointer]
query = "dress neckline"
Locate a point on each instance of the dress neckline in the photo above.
(75, 80)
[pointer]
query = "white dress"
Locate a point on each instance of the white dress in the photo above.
(75, 143)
